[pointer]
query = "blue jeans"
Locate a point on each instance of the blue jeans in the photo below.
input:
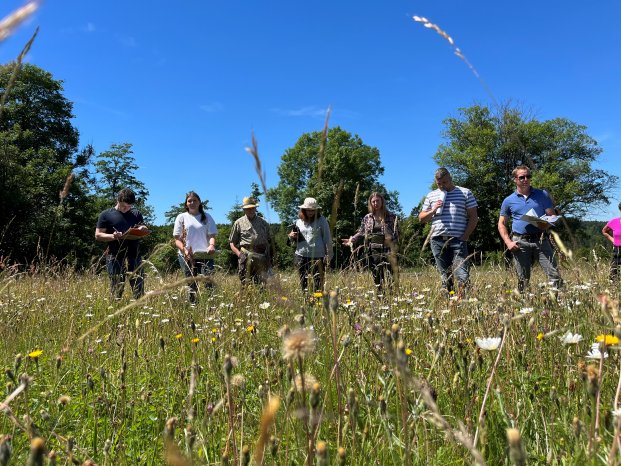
(451, 257)
(531, 250)
(118, 270)
(203, 267)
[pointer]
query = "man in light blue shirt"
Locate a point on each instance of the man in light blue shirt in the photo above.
(528, 243)
(452, 211)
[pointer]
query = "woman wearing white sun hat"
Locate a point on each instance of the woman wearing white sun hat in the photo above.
(311, 236)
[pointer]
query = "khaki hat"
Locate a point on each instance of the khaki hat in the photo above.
(249, 203)
(310, 203)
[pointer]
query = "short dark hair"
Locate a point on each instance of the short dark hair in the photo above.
(127, 196)
(442, 172)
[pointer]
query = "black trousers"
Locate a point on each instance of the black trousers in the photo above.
(313, 268)
(615, 263)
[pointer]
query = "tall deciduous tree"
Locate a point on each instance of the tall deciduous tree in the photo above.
(38, 150)
(350, 171)
(483, 147)
(116, 168)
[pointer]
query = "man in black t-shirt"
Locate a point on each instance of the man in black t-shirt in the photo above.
(123, 253)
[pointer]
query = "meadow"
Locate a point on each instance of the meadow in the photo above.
(347, 377)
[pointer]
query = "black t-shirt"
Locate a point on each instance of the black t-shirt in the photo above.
(114, 220)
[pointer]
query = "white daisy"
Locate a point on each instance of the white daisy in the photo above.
(595, 353)
(488, 344)
(571, 338)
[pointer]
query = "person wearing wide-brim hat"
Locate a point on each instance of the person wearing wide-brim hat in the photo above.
(251, 241)
(313, 244)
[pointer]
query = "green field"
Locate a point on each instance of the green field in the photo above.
(346, 378)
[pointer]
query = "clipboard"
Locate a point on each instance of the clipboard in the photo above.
(135, 233)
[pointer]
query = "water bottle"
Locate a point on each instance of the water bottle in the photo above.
(442, 198)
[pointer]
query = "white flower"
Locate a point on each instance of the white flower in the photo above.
(526, 310)
(488, 344)
(571, 338)
(264, 306)
(595, 353)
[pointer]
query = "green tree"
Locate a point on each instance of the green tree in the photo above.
(38, 151)
(483, 147)
(116, 168)
(350, 171)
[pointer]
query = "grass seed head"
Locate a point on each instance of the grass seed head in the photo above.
(341, 456)
(517, 455)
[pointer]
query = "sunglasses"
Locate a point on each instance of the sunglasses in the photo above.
(524, 177)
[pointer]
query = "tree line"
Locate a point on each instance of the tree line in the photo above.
(52, 190)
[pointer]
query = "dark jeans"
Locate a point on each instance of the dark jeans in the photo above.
(532, 250)
(615, 263)
(203, 267)
(381, 268)
(451, 257)
(119, 267)
(314, 268)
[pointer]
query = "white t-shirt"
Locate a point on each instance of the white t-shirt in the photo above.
(197, 233)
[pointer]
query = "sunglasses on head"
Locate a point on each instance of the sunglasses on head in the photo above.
(524, 177)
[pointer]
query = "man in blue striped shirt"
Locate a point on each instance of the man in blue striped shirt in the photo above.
(452, 211)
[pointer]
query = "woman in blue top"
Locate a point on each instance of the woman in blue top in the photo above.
(311, 235)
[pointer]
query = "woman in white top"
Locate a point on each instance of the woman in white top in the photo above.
(195, 237)
(313, 244)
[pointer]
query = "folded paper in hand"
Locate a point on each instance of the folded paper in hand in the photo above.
(532, 218)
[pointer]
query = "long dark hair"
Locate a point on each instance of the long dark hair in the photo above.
(303, 215)
(200, 205)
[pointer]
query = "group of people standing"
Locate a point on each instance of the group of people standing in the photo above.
(451, 209)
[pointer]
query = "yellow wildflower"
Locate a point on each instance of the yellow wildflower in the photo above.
(250, 329)
(408, 351)
(317, 294)
(178, 336)
(213, 339)
(195, 340)
(607, 339)
(35, 354)
(284, 298)
(540, 336)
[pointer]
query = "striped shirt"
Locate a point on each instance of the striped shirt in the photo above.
(454, 217)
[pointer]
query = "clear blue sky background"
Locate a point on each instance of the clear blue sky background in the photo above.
(187, 82)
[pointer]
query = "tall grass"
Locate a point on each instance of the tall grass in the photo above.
(385, 381)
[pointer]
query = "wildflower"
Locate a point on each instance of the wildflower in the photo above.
(284, 298)
(317, 294)
(64, 400)
(264, 306)
(526, 310)
(488, 344)
(595, 353)
(195, 340)
(298, 344)
(408, 351)
(309, 381)
(540, 336)
(178, 336)
(35, 354)
(570, 338)
(250, 329)
(607, 339)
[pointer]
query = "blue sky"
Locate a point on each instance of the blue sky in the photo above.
(188, 82)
